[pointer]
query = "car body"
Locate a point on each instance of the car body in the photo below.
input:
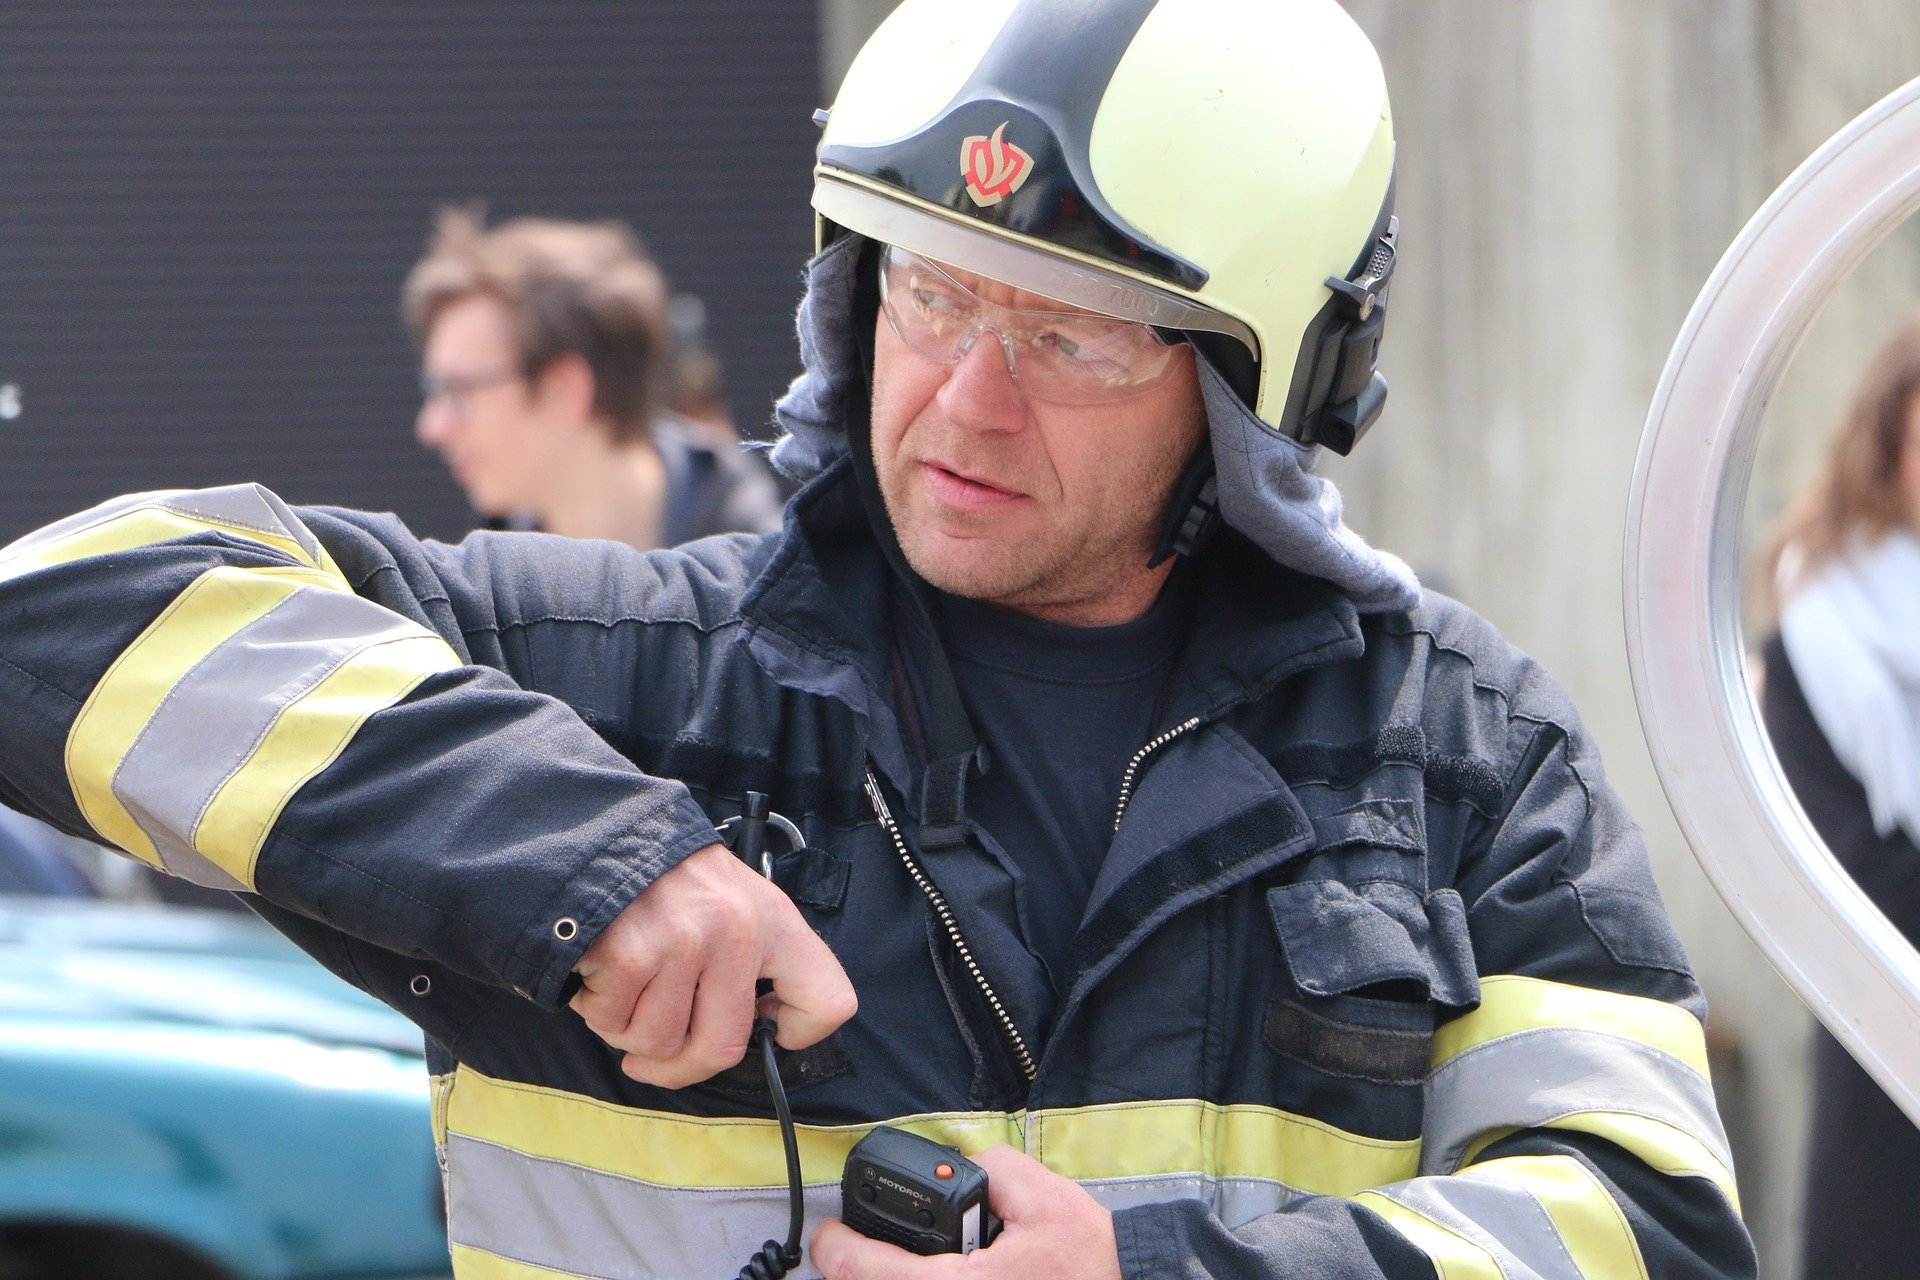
(184, 1095)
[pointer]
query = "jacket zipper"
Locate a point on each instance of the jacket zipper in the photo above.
(1014, 1039)
(1139, 757)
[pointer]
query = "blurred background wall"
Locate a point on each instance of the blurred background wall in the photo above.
(206, 208)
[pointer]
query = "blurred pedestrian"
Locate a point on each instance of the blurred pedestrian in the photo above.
(1842, 702)
(544, 365)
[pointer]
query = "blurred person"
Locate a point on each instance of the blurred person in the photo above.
(545, 370)
(1841, 699)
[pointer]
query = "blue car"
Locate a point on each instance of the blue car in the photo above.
(185, 1096)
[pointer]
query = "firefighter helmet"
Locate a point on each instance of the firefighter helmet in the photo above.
(1220, 168)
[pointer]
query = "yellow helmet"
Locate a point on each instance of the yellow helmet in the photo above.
(1222, 168)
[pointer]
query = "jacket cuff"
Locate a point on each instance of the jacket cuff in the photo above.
(1146, 1237)
(595, 892)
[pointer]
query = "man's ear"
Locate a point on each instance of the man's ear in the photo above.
(565, 385)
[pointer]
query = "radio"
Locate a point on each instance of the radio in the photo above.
(913, 1192)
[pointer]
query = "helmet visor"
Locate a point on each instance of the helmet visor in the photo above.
(894, 219)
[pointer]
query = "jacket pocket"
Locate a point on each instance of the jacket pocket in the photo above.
(799, 1068)
(1367, 968)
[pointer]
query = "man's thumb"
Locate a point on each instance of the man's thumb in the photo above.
(1017, 1184)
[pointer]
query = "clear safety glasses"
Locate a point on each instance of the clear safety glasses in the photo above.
(1065, 357)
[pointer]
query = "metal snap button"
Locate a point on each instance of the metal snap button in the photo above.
(565, 928)
(421, 984)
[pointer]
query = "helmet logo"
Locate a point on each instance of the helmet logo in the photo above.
(993, 167)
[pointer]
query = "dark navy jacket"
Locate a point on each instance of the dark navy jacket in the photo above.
(1374, 983)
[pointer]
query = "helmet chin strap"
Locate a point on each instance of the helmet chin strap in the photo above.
(1193, 512)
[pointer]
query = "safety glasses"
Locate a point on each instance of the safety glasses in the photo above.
(1063, 357)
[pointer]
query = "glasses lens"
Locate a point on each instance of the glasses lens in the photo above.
(1078, 359)
(931, 311)
(1065, 357)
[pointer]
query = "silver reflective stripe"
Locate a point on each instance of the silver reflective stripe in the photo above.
(91, 516)
(566, 1217)
(216, 716)
(1235, 1201)
(244, 509)
(1533, 1077)
(1506, 1221)
(246, 506)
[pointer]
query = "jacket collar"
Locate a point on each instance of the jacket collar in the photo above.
(811, 619)
(1255, 623)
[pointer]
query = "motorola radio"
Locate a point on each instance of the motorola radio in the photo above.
(913, 1192)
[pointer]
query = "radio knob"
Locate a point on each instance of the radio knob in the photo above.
(868, 1195)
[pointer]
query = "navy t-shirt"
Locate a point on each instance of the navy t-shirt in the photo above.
(1060, 710)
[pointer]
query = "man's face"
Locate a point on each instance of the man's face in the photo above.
(485, 419)
(1049, 509)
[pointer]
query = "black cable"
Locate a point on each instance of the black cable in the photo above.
(774, 1260)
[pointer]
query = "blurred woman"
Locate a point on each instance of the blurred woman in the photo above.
(1841, 699)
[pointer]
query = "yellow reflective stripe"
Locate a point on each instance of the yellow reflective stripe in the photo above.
(1658, 1144)
(1133, 1140)
(470, 1263)
(1454, 1257)
(675, 1150)
(213, 607)
(140, 527)
(1588, 1219)
(1126, 1140)
(1510, 1003)
(308, 736)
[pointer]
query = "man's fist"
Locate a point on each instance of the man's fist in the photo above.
(671, 980)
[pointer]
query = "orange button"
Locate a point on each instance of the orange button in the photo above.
(943, 1171)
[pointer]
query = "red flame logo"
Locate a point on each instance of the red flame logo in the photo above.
(993, 167)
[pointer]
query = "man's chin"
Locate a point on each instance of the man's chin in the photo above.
(976, 568)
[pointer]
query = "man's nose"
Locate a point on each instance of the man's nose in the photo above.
(980, 392)
(433, 426)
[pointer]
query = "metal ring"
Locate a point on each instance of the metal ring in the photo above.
(1682, 582)
(421, 984)
(565, 928)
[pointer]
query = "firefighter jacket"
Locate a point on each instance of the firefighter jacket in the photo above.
(1374, 981)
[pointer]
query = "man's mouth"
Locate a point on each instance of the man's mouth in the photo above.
(955, 488)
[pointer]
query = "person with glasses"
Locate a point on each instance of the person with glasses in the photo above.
(1243, 910)
(545, 370)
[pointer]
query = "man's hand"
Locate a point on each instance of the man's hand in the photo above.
(1053, 1228)
(671, 980)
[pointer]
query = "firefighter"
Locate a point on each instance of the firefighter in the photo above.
(1249, 912)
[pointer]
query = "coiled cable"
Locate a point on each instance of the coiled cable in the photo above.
(774, 1260)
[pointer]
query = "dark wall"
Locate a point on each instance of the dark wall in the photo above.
(207, 207)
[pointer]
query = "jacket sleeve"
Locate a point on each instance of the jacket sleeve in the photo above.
(194, 679)
(1569, 1130)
